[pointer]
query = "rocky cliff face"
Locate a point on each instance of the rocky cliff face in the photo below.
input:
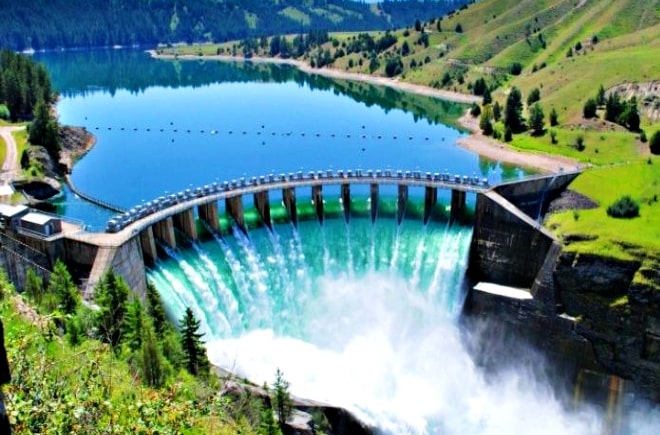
(588, 312)
(617, 304)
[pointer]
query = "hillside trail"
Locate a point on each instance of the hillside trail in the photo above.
(10, 167)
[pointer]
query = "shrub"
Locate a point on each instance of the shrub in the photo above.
(394, 66)
(624, 207)
(579, 143)
(533, 97)
(654, 143)
(515, 68)
(459, 28)
(4, 112)
(589, 109)
(508, 134)
(554, 118)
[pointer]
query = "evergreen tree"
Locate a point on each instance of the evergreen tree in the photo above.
(485, 121)
(151, 357)
(508, 135)
(267, 424)
(194, 353)
(111, 296)
(600, 96)
(479, 86)
(536, 120)
(654, 143)
(282, 398)
(44, 128)
(554, 118)
(134, 322)
(533, 97)
(61, 285)
(155, 309)
(513, 111)
(613, 107)
(34, 286)
(589, 109)
(487, 98)
(497, 111)
(630, 117)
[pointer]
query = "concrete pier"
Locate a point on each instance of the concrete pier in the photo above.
(209, 213)
(234, 208)
(402, 200)
(262, 204)
(457, 205)
(185, 222)
(289, 199)
(148, 244)
(374, 202)
(346, 201)
(430, 199)
(317, 198)
(164, 231)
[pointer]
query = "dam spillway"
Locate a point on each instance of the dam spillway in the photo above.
(292, 287)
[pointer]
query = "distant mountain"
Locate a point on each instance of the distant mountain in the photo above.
(48, 24)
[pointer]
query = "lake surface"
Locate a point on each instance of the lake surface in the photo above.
(164, 126)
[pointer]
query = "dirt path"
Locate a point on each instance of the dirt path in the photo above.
(10, 167)
(476, 142)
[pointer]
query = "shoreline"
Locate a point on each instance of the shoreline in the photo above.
(475, 141)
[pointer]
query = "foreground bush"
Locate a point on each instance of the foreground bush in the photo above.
(624, 207)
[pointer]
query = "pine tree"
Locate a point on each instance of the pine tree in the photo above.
(151, 357)
(630, 116)
(536, 121)
(600, 96)
(267, 424)
(487, 98)
(194, 353)
(134, 323)
(497, 111)
(513, 111)
(485, 121)
(155, 309)
(44, 128)
(282, 399)
(34, 286)
(111, 295)
(61, 285)
(554, 117)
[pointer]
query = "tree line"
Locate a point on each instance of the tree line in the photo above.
(23, 84)
(47, 24)
(26, 93)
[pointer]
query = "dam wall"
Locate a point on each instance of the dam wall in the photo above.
(593, 318)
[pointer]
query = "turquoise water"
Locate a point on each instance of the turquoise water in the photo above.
(359, 315)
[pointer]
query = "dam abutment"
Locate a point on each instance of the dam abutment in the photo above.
(594, 322)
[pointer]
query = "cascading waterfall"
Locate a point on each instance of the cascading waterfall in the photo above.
(364, 319)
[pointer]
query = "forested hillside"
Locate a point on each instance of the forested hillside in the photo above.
(23, 83)
(43, 24)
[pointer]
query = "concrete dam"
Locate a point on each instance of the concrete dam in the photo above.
(511, 263)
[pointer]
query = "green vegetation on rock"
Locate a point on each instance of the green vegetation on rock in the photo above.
(133, 379)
